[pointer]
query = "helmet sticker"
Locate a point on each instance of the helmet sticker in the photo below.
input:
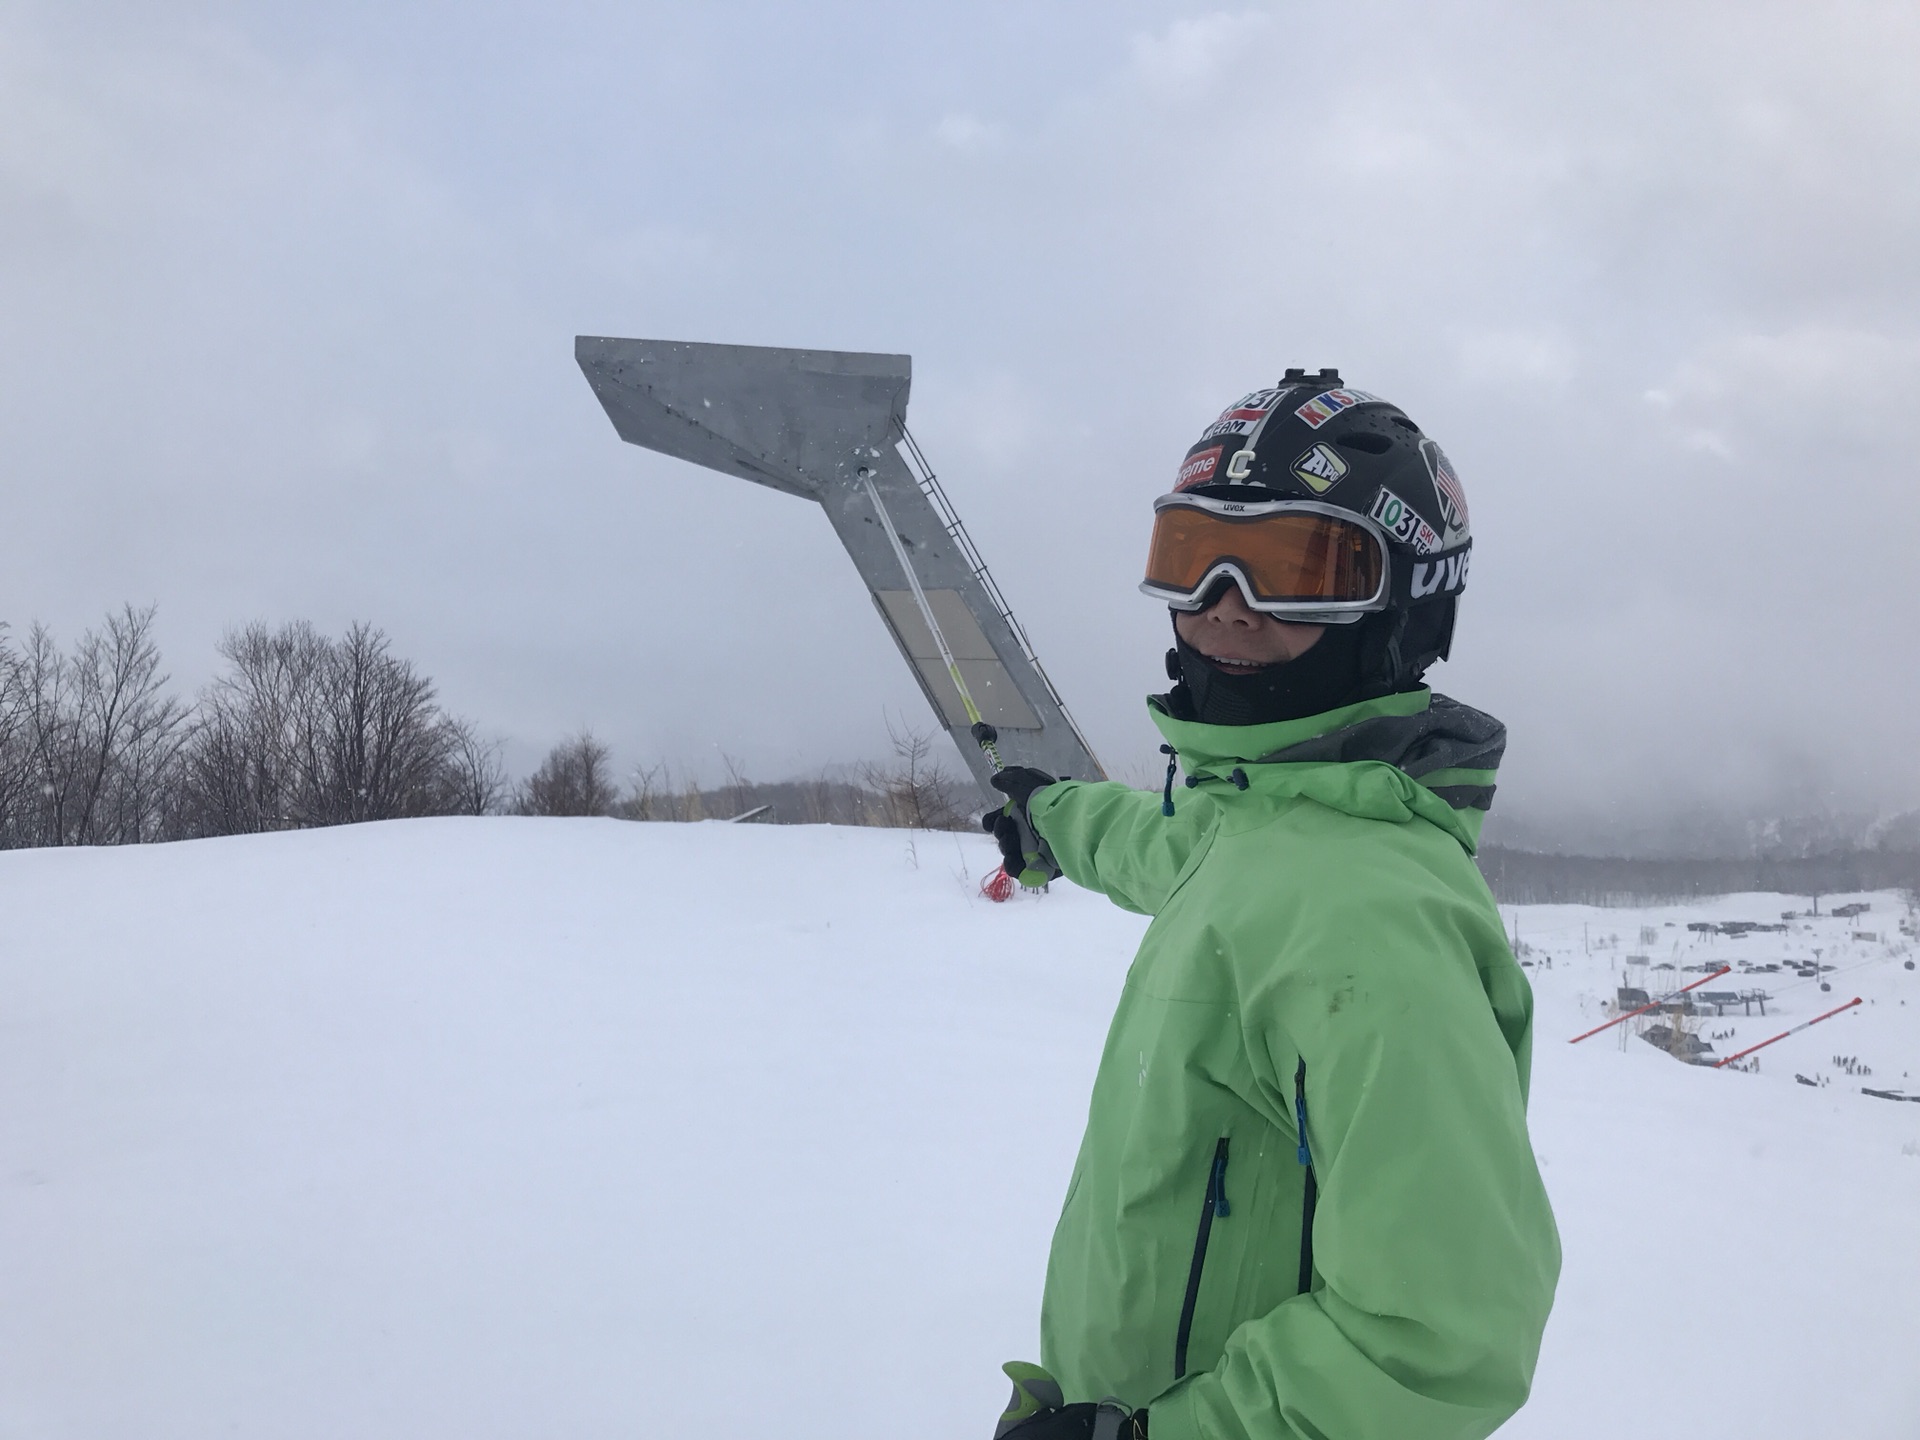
(1241, 465)
(1402, 522)
(1243, 417)
(1197, 469)
(1446, 485)
(1320, 469)
(1324, 406)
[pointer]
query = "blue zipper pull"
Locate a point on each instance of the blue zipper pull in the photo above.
(1300, 1111)
(1220, 1207)
(1166, 795)
(1239, 778)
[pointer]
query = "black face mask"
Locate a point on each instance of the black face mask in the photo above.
(1324, 678)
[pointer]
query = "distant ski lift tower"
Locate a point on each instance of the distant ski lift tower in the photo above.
(831, 426)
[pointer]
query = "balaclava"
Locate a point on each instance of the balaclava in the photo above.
(1329, 675)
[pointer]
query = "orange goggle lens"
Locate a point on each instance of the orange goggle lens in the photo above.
(1289, 558)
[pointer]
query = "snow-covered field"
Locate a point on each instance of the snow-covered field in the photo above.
(523, 1128)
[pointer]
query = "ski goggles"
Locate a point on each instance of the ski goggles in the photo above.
(1289, 557)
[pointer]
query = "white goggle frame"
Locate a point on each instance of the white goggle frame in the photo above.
(1310, 612)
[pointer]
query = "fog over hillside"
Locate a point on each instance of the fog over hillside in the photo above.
(1731, 830)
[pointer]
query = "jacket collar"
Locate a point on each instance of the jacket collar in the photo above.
(1390, 758)
(1219, 746)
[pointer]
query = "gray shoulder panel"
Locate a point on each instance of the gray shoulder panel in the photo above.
(1445, 736)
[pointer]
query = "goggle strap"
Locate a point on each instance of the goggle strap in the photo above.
(1418, 579)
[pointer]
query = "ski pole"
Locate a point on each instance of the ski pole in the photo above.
(1784, 1033)
(982, 732)
(1651, 1005)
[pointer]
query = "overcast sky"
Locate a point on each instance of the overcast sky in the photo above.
(288, 294)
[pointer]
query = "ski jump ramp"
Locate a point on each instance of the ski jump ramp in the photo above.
(831, 426)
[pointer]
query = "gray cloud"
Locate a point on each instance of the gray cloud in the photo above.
(290, 296)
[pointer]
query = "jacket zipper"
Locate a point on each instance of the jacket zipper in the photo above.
(1310, 1193)
(1215, 1205)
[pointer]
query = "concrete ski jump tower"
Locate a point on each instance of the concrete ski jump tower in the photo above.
(831, 427)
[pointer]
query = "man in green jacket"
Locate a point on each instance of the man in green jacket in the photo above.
(1306, 1204)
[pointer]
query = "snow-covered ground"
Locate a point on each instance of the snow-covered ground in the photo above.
(523, 1128)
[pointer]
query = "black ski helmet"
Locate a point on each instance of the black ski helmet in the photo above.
(1312, 440)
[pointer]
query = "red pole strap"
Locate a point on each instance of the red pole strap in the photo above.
(1651, 1004)
(1784, 1033)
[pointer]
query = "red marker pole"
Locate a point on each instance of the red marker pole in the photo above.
(1652, 1004)
(1784, 1033)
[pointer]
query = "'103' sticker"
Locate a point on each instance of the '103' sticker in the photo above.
(1403, 523)
(1246, 414)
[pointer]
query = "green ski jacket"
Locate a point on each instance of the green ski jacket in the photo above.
(1306, 1204)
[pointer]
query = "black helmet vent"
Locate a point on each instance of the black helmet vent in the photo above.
(1365, 440)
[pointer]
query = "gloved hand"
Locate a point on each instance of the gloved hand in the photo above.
(1038, 1411)
(1024, 853)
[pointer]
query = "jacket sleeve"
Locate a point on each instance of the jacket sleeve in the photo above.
(1114, 839)
(1435, 1251)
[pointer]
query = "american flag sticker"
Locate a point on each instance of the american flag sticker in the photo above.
(1329, 403)
(1446, 486)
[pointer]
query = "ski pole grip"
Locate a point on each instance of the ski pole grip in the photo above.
(985, 736)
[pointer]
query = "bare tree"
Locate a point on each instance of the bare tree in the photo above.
(127, 733)
(916, 790)
(650, 795)
(243, 770)
(642, 800)
(575, 779)
(89, 743)
(306, 730)
(475, 780)
(16, 769)
(48, 723)
(371, 744)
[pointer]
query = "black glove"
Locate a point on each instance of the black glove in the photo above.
(1038, 1412)
(1025, 855)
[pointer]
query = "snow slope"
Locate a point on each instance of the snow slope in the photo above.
(524, 1128)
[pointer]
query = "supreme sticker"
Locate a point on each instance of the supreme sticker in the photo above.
(1243, 417)
(1399, 520)
(1329, 403)
(1446, 485)
(1197, 469)
(1320, 469)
